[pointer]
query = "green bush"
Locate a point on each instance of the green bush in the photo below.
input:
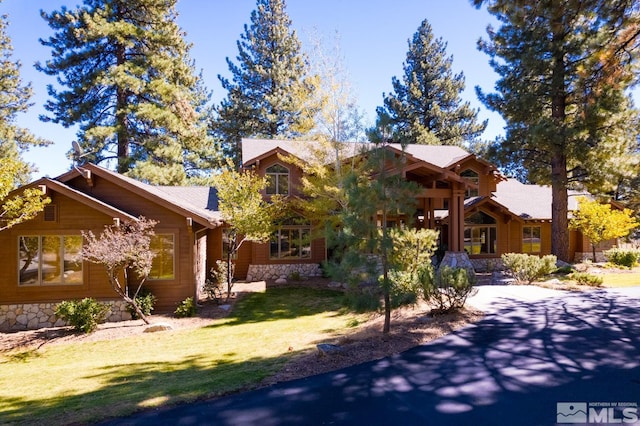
(187, 308)
(84, 315)
(145, 301)
(363, 298)
(584, 278)
(447, 288)
(623, 257)
(525, 268)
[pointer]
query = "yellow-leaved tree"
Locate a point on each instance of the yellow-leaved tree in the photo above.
(598, 222)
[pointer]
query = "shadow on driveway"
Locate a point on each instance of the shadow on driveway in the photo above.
(512, 367)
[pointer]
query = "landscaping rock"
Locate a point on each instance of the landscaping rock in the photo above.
(328, 349)
(158, 327)
(225, 307)
(281, 281)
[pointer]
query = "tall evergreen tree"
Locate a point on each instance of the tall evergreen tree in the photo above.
(14, 99)
(270, 94)
(425, 106)
(127, 80)
(564, 69)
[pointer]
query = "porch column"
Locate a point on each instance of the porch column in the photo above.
(456, 220)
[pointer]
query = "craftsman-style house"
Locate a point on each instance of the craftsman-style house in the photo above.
(477, 210)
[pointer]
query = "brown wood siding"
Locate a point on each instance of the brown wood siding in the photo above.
(295, 173)
(71, 214)
(487, 183)
(73, 217)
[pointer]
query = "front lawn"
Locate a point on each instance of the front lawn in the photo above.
(84, 382)
(622, 279)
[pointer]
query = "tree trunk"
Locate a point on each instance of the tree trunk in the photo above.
(122, 124)
(559, 209)
(559, 180)
(593, 252)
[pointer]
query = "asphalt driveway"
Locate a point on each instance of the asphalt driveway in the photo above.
(537, 354)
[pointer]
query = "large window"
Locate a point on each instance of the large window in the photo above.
(291, 242)
(163, 266)
(473, 177)
(480, 234)
(50, 260)
(531, 242)
(278, 180)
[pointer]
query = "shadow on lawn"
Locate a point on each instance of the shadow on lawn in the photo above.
(282, 303)
(128, 388)
(513, 367)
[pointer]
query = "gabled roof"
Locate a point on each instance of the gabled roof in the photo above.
(186, 201)
(84, 198)
(530, 201)
(442, 156)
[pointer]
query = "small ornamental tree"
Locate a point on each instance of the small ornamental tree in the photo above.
(599, 222)
(21, 207)
(123, 249)
(248, 215)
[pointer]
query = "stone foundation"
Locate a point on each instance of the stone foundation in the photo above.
(31, 316)
(458, 259)
(487, 265)
(279, 271)
(580, 257)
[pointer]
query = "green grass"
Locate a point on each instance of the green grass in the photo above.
(83, 382)
(630, 279)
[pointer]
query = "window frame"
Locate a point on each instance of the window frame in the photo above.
(489, 225)
(275, 178)
(63, 256)
(173, 263)
(303, 234)
(531, 237)
(472, 192)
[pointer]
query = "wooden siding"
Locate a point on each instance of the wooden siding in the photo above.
(73, 216)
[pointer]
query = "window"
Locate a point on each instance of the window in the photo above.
(291, 242)
(531, 242)
(50, 260)
(278, 180)
(473, 177)
(163, 265)
(480, 234)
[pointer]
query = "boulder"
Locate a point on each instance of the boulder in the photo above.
(328, 349)
(158, 327)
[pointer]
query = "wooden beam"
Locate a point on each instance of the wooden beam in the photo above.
(435, 193)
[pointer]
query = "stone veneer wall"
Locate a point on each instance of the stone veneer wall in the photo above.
(278, 271)
(31, 316)
(582, 256)
(458, 259)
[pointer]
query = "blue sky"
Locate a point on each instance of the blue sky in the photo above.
(373, 40)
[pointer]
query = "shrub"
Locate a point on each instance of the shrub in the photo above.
(186, 308)
(583, 278)
(84, 315)
(145, 301)
(214, 287)
(623, 257)
(447, 288)
(525, 268)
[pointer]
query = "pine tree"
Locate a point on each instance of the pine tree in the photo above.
(270, 94)
(425, 107)
(127, 80)
(14, 99)
(564, 67)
